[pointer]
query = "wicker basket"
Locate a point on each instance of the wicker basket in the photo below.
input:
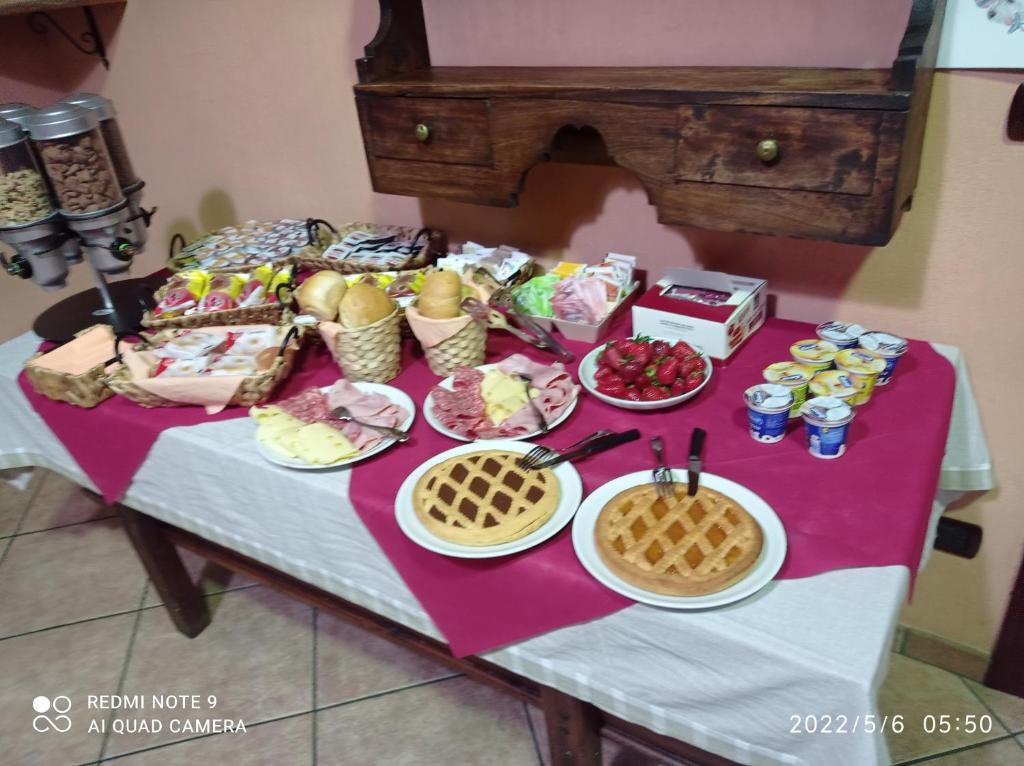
(311, 257)
(372, 353)
(264, 313)
(255, 389)
(464, 348)
(86, 389)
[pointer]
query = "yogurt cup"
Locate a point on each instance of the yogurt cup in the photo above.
(834, 383)
(768, 406)
(826, 420)
(815, 353)
(795, 377)
(863, 367)
(886, 345)
(842, 334)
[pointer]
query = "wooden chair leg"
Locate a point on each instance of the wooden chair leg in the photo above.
(573, 726)
(182, 597)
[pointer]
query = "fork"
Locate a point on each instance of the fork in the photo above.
(540, 453)
(663, 482)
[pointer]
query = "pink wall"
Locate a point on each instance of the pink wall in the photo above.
(234, 109)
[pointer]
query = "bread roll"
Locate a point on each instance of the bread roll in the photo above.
(363, 305)
(320, 295)
(441, 295)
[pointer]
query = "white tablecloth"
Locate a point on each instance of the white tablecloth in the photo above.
(726, 681)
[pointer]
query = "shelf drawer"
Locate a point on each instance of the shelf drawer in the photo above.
(824, 150)
(454, 131)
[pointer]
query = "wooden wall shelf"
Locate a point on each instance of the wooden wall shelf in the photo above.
(820, 153)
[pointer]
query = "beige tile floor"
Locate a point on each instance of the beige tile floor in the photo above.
(78, 618)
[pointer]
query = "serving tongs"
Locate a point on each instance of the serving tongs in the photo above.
(527, 330)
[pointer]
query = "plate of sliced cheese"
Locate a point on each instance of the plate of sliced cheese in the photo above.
(300, 433)
(715, 548)
(474, 501)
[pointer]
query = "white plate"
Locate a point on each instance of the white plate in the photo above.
(428, 412)
(396, 396)
(588, 366)
(773, 551)
(570, 487)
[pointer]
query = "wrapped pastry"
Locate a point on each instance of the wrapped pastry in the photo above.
(580, 299)
(254, 291)
(231, 364)
(282, 277)
(189, 344)
(183, 292)
(223, 293)
(180, 368)
(251, 342)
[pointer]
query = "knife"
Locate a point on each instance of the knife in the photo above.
(598, 445)
(694, 465)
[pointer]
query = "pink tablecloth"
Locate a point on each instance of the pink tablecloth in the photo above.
(869, 508)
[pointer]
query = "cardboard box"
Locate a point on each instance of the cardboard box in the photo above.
(706, 308)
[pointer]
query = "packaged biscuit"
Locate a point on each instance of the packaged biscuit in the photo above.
(184, 291)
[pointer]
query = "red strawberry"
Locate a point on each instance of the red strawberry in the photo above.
(624, 346)
(682, 350)
(631, 370)
(611, 389)
(614, 358)
(603, 372)
(678, 387)
(693, 380)
(701, 365)
(653, 394)
(687, 367)
(643, 352)
(642, 381)
(660, 348)
(632, 394)
(668, 371)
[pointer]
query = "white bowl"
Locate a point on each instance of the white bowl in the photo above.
(589, 366)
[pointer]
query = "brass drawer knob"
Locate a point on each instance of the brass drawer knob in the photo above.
(768, 150)
(422, 131)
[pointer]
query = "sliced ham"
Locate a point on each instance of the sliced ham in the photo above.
(461, 408)
(313, 406)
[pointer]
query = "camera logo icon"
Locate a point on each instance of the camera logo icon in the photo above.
(58, 705)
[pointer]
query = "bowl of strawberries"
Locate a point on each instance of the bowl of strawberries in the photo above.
(643, 373)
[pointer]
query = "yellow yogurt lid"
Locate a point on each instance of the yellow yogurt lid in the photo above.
(814, 350)
(860, 361)
(835, 383)
(788, 373)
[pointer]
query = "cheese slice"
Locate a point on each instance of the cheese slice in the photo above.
(503, 395)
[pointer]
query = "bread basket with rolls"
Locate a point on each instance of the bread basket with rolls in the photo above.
(450, 336)
(365, 339)
(369, 247)
(165, 369)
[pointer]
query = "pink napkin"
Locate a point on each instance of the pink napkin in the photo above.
(110, 442)
(868, 508)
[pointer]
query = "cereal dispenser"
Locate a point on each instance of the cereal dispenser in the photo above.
(131, 185)
(29, 221)
(75, 157)
(19, 113)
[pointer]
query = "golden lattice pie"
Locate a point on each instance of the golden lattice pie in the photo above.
(484, 498)
(686, 546)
